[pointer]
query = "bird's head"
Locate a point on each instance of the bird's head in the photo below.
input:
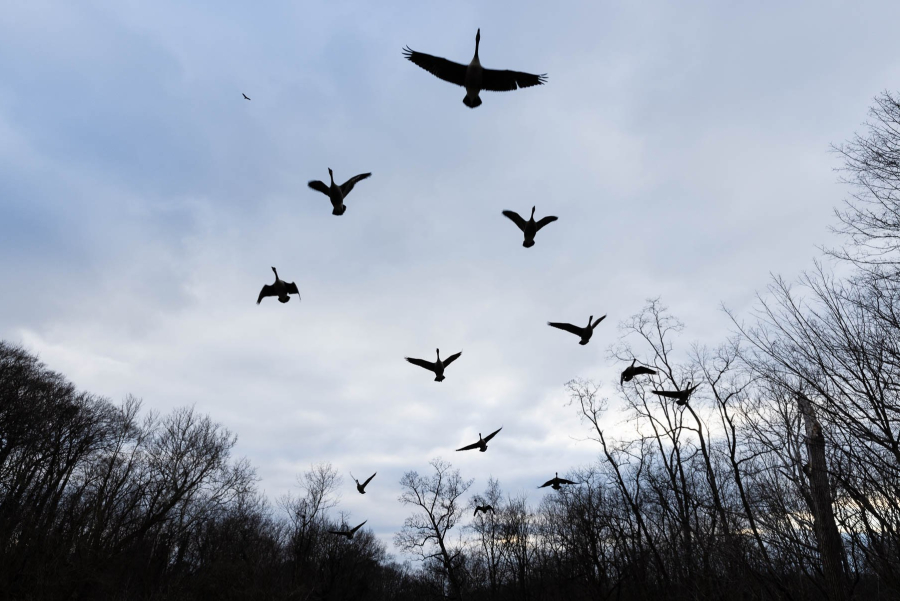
(532, 212)
(437, 352)
(478, 36)
(331, 174)
(590, 320)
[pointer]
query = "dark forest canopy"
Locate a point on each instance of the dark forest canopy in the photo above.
(779, 478)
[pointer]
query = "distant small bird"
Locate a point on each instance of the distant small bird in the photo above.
(336, 193)
(585, 332)
(631, 371)
(438, 366)
(280, 288)
(245, 96)
(681, 396)
(530, 227)
(362, 487)
(483, 509)
(556, 482)
(481, 445)
(473, 77)
(348, 533)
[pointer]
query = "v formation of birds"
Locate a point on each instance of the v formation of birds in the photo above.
(475, 79)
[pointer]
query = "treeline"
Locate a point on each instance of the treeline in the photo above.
(99, 502)
(779, 479)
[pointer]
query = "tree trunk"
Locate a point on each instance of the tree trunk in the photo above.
(831, 546)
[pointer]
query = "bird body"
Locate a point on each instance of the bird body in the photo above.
(556, 482)
(481, 445)
(437, 366)
(348, 533)
(483, 509)
(585, 333)
(473, 77)
(531, 227)
(362, 487)
(336, 193)
(280, 288)
(631, 371)
(681, 396)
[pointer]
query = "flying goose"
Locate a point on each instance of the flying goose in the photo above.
(473, 77)
(362, 487)
(584, 332)
(280, 288)
(632, 371)
(337, 193)
(681, 396)
(530, 227)
(556, 482)
(348, 533)
(481, 445)
(438, 366)
(483, 509)
(245, 96)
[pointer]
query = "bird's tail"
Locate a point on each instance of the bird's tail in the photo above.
(340, 211)
(528, 243)
(470, 102)
(439, 378)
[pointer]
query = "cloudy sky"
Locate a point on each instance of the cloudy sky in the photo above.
(143, 201)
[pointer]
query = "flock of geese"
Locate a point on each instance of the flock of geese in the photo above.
(475, 79)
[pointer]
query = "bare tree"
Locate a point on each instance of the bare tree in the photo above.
(437, 505)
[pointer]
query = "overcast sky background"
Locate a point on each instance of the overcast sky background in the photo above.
(684, 148)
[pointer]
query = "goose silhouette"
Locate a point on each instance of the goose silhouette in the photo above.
(681, 396)
(473, 77)
(336, 193)
(556, 482)
(481, 445)
(631, 371)
(280, 288)
(531, 227)
(438, 366)
(348, 533)
(585, 332)
(362, 487)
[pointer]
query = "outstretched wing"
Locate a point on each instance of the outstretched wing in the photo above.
(421, 363)
(515, 218)
(336, 532)
(566, 326)
(474, 445)
(364, 484)
(596, 321)
(564, 481)
(267, 290)
(319, 187)
(348, 185)
(358, 527)
(669, 394)
(492, 434)
(476, 511)
(640, 370)
(547, 483)
(506, 81)
(451, 359)
(437, 66)
(291, 288)
(548, 219)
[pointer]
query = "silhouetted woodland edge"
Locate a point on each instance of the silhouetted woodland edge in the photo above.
(779, 479)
